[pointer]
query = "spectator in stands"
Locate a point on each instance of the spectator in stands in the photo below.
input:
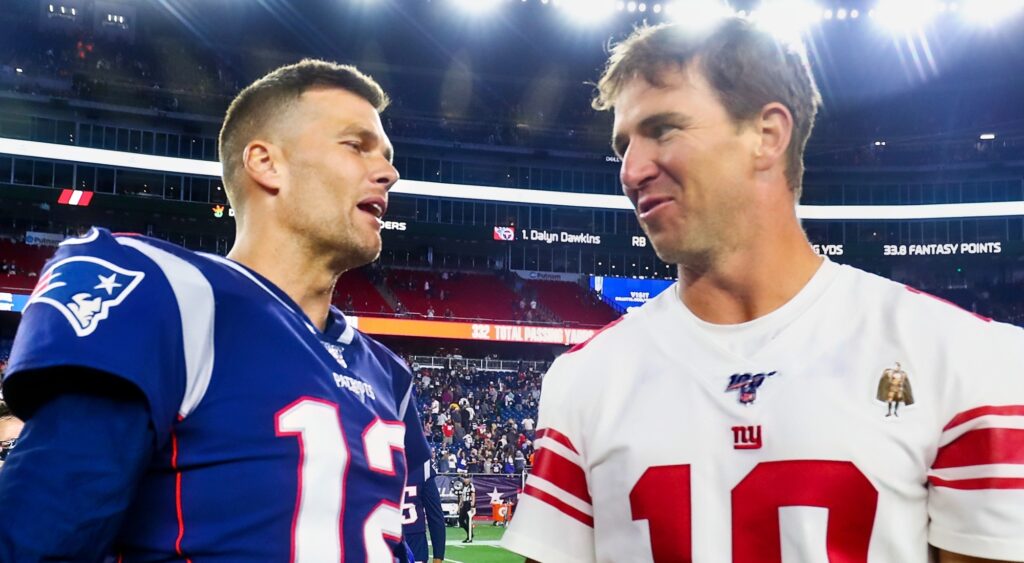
(519, 461)
(443, 466)
(10, 429)
(448, 432)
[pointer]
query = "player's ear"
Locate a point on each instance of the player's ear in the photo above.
(264, 164)
(774, 126)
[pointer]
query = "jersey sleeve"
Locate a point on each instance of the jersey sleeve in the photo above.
(554, 518)
(417, 451)
(976, 483)
(66, 446)
(102, 306)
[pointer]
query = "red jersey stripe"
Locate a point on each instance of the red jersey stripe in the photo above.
(583, 344)
(65, 196)
(947, 302)
(177, 496)
(557, 504)
(980, 483)
(557, 436)
(1005, 410)
(983, 446)
(561, 473)
(86, 199)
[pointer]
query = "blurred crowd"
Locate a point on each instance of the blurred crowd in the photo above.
(479, 421)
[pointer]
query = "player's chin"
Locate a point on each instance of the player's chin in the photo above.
(368, 250)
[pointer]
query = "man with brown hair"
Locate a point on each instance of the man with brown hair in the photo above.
(216, 409)
(734, 417)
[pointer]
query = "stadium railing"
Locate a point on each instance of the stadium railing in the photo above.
(481, 364)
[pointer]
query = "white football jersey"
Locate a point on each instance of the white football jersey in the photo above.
(860, 422)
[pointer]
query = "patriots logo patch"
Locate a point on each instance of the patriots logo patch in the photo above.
(84, 289)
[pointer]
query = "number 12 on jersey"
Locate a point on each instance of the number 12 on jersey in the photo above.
(662, 497)
(317, 533)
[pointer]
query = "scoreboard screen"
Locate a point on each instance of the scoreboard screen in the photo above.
(627, 294)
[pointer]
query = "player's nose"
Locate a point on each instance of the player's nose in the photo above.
(638, 168)
(384, 173)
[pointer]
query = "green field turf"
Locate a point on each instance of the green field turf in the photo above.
(484, 548)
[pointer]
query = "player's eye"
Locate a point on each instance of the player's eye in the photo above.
(355, 145)
(659, 131)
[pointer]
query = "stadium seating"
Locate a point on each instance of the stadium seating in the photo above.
(466, 295)
(27, 260)
(572, 303)
(355, 293)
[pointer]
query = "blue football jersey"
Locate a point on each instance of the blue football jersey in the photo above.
(276, 441)
(422, 513)
(414, 515)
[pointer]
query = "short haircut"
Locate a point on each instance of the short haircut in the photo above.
(260, 102)
(746, 67)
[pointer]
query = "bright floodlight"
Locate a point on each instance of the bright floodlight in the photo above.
(987, 136)
(905, 15)
(788, 19)
(989, 12)
(587, 11)
(476, 6)
(697, 15)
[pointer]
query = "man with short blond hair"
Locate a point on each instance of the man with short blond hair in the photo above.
(738, 416)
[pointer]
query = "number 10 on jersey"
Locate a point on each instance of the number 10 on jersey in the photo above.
(835, 485)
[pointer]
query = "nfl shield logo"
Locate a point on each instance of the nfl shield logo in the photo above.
(84, 289)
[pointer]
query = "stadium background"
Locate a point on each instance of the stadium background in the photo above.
(507, 240)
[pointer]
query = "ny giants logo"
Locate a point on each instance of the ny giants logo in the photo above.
(747, 384)
(746, 437)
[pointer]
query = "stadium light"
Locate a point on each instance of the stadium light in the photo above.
(987, 136)
(587, 11)
(698, 15)
(905, 15)
(989, 12)
(789, 19)
(476, 6)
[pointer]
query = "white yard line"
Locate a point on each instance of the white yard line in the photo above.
(458, 543)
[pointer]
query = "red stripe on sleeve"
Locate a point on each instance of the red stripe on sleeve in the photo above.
(583, 344)
(557, 504)
(1005, 410)
(983, 446)
(562, 473)
(557, 436)
(86, 198)
(177, 496)
(65, 197)
(981, 483)
(947, 302)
